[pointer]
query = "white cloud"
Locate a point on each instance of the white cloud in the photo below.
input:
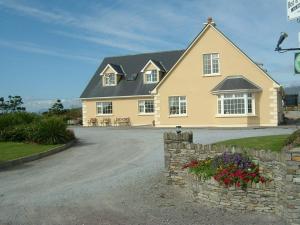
(42, 105)
(139, 26)
(122, 24)
(38, 13)
(102, 41)
(33, 48)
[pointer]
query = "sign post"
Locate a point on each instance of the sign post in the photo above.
(293, 9)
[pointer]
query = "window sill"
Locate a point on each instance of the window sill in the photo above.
(104, 114)
(178, 115)
(234, 115)
(151, 82)
(146, 114)
(211, 75)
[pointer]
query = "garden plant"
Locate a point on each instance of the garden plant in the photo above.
(228, 169)
(33, 128)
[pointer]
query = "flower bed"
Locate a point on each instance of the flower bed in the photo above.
(280, 196)
(228, 169)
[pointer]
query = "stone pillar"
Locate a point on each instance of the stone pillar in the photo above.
(292, 187)
(84, 112)
(174, 144)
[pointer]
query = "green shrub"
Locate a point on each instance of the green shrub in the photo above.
(70, 135)
(20, 133)
(51, 130)
(293, 139)
(17, 118)
(14, 126)
(29, 127)
(17, 134)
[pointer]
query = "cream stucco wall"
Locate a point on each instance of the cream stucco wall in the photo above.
(150, 66)
(108, 70)
(122, 107)
(186, 79)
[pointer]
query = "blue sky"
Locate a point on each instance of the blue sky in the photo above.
(50, 49)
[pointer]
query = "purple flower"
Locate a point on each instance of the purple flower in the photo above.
(238, 159)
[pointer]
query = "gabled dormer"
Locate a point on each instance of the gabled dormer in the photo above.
(152, 72)
(111, 75)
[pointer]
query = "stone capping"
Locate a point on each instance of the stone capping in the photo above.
(281, 196)
(11, 163)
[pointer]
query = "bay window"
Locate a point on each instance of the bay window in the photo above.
(236, 104)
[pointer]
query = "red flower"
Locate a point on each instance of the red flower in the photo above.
(238, 173)
(246, 179)
(262, 179)
(227, 181)
(192, 164)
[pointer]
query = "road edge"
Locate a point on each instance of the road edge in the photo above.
(19, 161)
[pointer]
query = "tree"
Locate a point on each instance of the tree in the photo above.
(13, 104)
(3, 106)
(57, 108)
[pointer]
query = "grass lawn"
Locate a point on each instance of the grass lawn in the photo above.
(14, 150)
(274, 143)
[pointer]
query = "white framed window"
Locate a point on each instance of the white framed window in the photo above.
(109, 79)
(151, 76)
(236, 104)
(211, 64)
(177, 105)
(146, 106)
(104, 108)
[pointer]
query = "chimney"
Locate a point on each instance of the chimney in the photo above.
(210, 21)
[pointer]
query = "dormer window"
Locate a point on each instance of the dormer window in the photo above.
(153, 70)
(111, 74)
(109, 79)
(151, 76)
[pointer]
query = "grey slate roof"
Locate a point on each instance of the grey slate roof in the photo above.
(294, 90)
(132, 83)
(234, 83)
(117, 68)
(159, 65)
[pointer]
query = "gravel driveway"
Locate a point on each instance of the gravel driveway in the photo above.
(113, 176)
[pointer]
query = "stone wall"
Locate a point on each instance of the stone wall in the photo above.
(281, 196)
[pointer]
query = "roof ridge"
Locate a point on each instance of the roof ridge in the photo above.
(145, 53)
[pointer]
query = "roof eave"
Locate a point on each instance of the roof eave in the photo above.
(116, 97)
(150, 61)
(235, 91)
(108, 65)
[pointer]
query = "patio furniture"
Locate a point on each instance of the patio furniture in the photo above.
(105, 122)
(125, 121)
(93, 122)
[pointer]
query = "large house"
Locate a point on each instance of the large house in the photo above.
(212, 83)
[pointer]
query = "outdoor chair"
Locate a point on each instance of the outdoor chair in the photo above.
(106, 122)
(93, 122)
